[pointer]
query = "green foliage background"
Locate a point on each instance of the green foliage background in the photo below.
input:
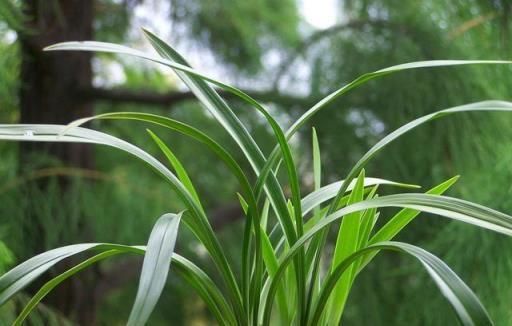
(240, 34)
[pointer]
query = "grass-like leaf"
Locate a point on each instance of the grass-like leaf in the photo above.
(23, 274)
(286, 261)
(464, 302)
(50, 285)
(178, 167)
(329, 191)
(452, 208)
(346, 243)
(198, 221)
(155, 268)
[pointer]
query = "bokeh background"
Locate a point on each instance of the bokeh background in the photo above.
(288, 54)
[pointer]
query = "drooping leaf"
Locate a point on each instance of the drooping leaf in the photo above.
(23, 274)
(449, 207)
(464, 302)
(478, 106)
(199, 223)
(327, 192)
(155, 267)
(51, 284)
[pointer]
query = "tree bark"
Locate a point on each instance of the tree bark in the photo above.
(172, 98)
(51, 82)
(49, 93)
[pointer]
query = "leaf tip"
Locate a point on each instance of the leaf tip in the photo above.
(147, 33)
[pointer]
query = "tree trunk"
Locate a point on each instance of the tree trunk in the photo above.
(49, 93)
(51, 81)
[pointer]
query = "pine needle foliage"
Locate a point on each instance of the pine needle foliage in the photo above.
(285, 276)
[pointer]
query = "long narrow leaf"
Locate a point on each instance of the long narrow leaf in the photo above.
(405, 216)
(478, 106)
(380, 73)
(464, 302)
(178, 167)
(155, 267)
(22, 275)
(51, 284)
(228, 119)
(327, 192)
(361, 80)
(346, 243)
(198, 222)
(449, 207)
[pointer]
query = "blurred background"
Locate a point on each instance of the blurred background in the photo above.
(288, 54)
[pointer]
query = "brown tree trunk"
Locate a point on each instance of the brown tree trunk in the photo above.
(51, 81)
(49, 93)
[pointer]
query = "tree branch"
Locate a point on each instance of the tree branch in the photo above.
(317, 36)
(119, 95)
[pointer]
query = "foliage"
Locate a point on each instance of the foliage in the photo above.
(410, 31)
(238, 31)
(283, 248)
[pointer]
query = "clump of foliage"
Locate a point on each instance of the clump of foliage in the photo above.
(285, 275)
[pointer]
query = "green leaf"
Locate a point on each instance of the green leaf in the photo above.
(207, 290)
(380, 73)
(221, 111)
(346, 244)
(272, 264)
(464, 302)
(327, 192)
(231, 123)
(153, 276)
(361, 80)
(264, 215)
(368, 220)
(23, 274)
(178, 167)
(478, 106)
(20, 276)
(204, 286)
(317, 162)
(452, 208)
(50, 285)
(198, 222)
(401, 220)
(155, 267)
(405, 216)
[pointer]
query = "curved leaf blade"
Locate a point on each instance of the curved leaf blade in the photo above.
(155, 267)
(380, 73)
(20, 276)
(327, 192)
(194, 275)
(478, 106)
(50, 285)
(199, 223)
(468, 308)
(449, 207)
(178, 167)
